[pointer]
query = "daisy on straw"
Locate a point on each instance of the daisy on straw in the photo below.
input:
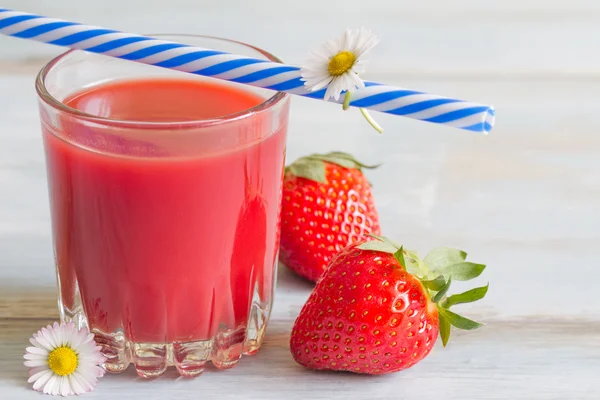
(337, 65)
(63, 360)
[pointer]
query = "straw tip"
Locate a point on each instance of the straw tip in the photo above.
(490, 120)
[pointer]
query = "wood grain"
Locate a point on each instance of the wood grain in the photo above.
(542, 359)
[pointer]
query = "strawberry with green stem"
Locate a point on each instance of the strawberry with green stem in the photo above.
(327, 205)
(379, 308)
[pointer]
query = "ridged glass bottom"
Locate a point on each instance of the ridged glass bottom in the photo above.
(151, 360)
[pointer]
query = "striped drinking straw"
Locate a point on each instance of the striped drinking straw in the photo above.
(261, 73)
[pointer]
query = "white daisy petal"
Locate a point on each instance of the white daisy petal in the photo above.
(346, 40)
(34, 357)
(35, 363)
(340, 42)
(55, 329)
(334, 89)
(85, 383)
(345, 83)
(88, 338)
(315, 69)
(87, 370)
(76, 385)
(37, 372)
(361, 38)
(83, 334)
(92, 359)
(41, 341)
(87, 348)
(64, 334)
(37, 350)
(69, 334)
(356, 39)
(359, 70)
(366, 44)
(42, 380)
(77, 339)
(319, 55)
(99, 371)
(65, 386)
(46, 334)
(330, 92)
(61, 334)
(313, 79)
(49, 387)
(320, 84)
(332, 48)
(355, 81)
(55, 390)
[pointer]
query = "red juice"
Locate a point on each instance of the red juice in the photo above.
(166, 236)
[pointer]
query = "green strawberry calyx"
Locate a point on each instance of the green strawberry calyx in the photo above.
(312, 167)
(436, 272)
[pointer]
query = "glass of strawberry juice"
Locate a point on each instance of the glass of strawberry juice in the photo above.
(165, 191)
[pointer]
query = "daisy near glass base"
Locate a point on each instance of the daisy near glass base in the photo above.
(63, 360)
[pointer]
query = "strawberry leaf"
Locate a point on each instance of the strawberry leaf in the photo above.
(435, 284)
(443, 290)
(399, 256)
(441, 257)
(444, 327)
(377, 245)
(384, 239)
(458, 320)
(412, 268)
(414, 264)
(467, 297)
(309, 169)
(342, 162)
(342, 159)
(464, 271)
(339, 157)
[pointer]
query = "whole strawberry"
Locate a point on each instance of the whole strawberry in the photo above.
(327, 205)
(379, 309)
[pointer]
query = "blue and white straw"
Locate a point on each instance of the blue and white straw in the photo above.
(261, 73)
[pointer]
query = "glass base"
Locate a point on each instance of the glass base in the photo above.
(151, 360)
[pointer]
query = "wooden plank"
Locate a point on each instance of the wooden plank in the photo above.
(517, 360)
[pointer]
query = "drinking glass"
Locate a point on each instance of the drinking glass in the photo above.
(165, 230)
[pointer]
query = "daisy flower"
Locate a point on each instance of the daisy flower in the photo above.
(63, 360)
(338, 63)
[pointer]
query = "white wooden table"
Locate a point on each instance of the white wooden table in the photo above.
(525, 200)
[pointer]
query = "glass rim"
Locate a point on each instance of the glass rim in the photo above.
(53, 102)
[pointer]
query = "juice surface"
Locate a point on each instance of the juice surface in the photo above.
(165, 248)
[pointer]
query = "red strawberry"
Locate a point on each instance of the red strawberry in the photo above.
(376, 309)
(327, 205)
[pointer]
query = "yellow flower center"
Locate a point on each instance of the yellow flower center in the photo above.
(341, 63)
(62, 361)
